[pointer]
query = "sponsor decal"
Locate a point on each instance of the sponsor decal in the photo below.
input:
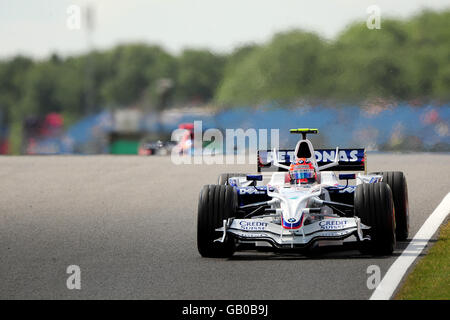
(251, 190)
(283, 156)
(253, 225)
(349, 189)
(251, 235)
(332, 224)
(341, 189)
(335, 234)
(323, 156)
(291, 224)
(344, 155)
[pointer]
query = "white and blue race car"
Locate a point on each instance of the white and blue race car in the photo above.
(304, 205)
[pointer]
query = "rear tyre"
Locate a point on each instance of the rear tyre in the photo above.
(397, 182)
(216, 203)
(223, 178)
(375, 207)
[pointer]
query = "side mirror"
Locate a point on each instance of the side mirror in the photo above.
(347, 176)
(254, 177)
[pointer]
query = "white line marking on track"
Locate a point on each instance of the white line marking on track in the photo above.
(394, 275)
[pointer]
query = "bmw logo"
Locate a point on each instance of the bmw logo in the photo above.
(291, 220)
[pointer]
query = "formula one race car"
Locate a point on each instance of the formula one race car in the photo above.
(304, 206)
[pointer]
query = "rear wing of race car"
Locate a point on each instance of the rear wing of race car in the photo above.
(349, 159)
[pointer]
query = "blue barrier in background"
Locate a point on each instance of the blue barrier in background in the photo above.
(370, 127)
(401, 127)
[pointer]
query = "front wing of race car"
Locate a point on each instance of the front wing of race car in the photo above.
(259, 230)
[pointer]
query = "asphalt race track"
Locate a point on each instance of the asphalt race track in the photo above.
(129, 222)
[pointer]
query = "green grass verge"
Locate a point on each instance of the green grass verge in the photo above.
(430, 279)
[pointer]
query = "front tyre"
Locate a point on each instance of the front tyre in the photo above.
(216, 203)
(375, 207)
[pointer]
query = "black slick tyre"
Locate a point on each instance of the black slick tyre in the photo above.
(374, 205)
(216, 203)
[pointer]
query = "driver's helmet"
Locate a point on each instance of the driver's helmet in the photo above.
(302, 171)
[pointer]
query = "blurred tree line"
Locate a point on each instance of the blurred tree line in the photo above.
(404, 60)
